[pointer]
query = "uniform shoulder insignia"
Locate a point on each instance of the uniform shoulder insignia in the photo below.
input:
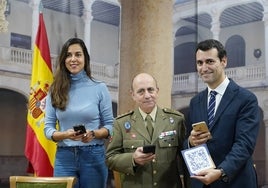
(125, 114)
(171, 111)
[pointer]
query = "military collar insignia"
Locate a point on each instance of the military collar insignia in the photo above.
(171, 120)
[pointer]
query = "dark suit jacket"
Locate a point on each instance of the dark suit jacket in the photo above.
(234, 133)
(130, 132)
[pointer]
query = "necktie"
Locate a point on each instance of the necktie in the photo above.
(211, 107)
(149, 126)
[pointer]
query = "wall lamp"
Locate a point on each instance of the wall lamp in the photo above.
(257, 53)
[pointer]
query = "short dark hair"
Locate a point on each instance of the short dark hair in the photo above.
(212, 43)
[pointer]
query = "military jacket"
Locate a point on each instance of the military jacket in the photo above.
(129, 132)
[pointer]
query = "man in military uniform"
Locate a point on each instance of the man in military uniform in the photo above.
(125, 154)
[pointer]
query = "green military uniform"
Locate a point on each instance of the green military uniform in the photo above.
(130, 132)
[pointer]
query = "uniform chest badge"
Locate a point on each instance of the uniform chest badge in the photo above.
(127, 126)
(171, 120)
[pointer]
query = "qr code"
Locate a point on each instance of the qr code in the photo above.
(198, 159)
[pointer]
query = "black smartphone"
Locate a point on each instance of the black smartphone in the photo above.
(79, 129)
(149, 149)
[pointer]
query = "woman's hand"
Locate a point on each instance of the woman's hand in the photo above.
(73, 135)
(88, 136)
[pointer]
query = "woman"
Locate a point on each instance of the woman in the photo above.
(75, 98)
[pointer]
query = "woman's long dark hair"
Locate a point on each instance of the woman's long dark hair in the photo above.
(60, 87)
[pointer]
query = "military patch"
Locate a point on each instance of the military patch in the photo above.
(127, 126)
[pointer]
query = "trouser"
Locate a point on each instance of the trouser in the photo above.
(86, 163)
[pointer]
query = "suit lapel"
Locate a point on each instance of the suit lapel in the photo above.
(203, 100)
(227, 97)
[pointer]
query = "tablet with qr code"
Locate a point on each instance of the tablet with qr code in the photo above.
(197, 159)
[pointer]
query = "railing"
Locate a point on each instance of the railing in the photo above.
(20, 56)
(249, 76)
(21, 60)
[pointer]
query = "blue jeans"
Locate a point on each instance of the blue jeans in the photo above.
(86, 163)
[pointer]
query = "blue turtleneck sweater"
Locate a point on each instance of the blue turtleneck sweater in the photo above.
(89, 103)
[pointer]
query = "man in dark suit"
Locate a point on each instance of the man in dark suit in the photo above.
(126, 154)
(235, 123)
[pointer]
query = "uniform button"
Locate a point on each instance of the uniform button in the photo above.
(132, 147)
(169, 145)
(153, 161)
(154, 172)
(155, 183)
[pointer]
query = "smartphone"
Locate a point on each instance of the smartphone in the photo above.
(200, 126)
(149, 149)
(79, 129)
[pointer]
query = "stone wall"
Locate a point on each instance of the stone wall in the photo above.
(12, 165)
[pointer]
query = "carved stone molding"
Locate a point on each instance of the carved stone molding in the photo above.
(3, 21)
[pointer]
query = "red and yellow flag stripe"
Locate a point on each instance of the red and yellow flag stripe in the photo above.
(38, 149)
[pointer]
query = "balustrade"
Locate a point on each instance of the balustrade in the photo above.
(182, 83)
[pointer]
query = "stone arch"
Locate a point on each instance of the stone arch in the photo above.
(13, 120)
(236, 51)
(184, 62)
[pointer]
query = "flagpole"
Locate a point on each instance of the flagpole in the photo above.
(41, 7)
(35, 19)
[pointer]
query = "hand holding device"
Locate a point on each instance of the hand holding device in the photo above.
(149, 149)
(200, 126)
(79, 129)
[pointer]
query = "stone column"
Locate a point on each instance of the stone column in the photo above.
(146, 46)
(35, 4)
(87, 17)
(3, 21)
(215, 25)
(265, 21)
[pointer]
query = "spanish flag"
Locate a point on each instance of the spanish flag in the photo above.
(38, 149)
